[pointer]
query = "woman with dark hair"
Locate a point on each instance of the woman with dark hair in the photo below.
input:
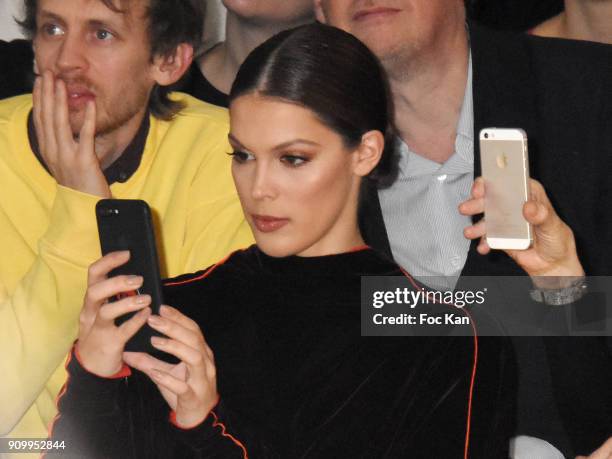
(291, 374)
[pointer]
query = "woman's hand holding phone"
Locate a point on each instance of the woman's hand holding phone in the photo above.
(553, 252)
(101, 342)
(189, 387)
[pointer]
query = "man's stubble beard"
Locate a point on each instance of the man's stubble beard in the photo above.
(401, 63)
(111, 119)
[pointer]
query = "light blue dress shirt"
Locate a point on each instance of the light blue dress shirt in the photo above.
(423, 223)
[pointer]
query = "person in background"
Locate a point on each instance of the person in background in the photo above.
(16, 62)
(16, 56)
(248, 24)
(100, 123)
(450, 79)
(580, 20)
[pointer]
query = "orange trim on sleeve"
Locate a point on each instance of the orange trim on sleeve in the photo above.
(175, 423)
(216, 423)
(124, 372)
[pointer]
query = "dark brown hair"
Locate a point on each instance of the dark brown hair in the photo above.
(171, 22)
(332, 73)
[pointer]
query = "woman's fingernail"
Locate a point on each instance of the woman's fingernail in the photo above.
(157, 341)
(134, 280)
(154, 320)
(143, 299)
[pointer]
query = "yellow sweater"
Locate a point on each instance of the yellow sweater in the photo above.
(48, 237)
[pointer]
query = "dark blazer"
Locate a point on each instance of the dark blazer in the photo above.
(560, 93)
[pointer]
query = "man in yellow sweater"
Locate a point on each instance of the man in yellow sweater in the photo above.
(100, 123)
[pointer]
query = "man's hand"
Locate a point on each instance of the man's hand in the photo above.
(101, 342)
(553, 252)
(72, 162)
(189, 387)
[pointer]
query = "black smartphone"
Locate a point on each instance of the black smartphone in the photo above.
(126, 224)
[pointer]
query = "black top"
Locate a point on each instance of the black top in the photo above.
(16, 64)
(295, 377)
(196, 84)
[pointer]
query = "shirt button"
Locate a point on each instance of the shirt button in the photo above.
(455, 261)
(442, 177)
(122, 176)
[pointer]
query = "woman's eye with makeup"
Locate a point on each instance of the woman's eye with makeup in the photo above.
(294, 160)
(241, 156)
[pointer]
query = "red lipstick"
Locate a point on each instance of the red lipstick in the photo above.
(267, 224)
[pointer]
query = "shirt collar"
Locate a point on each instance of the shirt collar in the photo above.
(122, 168)
(465, 126)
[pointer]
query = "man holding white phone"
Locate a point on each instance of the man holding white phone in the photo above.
(100, 123)
(449, 80)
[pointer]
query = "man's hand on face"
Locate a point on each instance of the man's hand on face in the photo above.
(72, 162)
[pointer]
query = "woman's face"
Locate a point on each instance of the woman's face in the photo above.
(295, 178)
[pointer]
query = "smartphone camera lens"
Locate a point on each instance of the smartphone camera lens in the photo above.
(486, 136)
